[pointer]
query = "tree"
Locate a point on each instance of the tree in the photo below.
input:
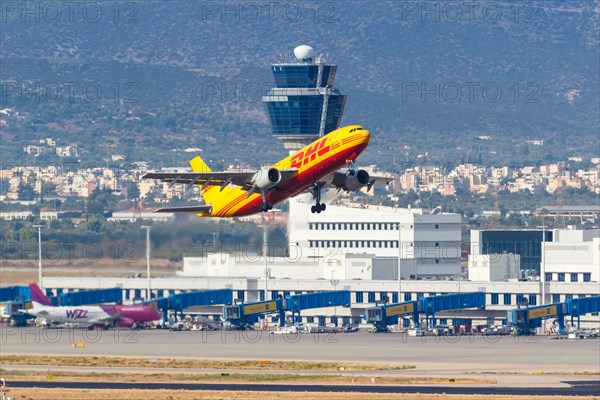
(26, 192)
(48, 188)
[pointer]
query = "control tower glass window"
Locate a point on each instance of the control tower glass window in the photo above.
(303, 75)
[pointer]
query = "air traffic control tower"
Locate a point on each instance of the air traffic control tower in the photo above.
(304, 105)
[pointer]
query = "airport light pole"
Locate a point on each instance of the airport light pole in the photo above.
(265, 252)
(399, 262)
(147, 228)
(543, 266)
(334, 283)
(39, 228)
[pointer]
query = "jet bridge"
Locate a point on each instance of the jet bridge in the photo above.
(181, 301)
(12, 293)
(83, 297)
(526, 319)
(581, 306)
(388, 314)
(447, 302)
(250, 313)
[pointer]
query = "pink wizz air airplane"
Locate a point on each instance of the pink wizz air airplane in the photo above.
(90, 316)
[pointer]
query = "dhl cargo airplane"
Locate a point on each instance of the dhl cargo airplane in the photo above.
(238, 193)
(121, 316)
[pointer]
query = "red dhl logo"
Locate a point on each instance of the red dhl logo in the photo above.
(318, 149)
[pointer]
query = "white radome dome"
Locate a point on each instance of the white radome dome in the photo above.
(303, 52)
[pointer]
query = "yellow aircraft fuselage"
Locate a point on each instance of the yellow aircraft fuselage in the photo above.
(315, 161)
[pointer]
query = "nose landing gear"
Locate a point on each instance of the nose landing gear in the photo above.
(317, 208)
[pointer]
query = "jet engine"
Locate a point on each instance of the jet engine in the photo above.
(125, 322)
(356, 180)
(267, 178)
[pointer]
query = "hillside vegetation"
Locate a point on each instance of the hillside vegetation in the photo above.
(149, 79)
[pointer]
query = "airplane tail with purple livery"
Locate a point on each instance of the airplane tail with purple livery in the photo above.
(38, 297)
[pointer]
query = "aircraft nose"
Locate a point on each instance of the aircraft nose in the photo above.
(366, 136)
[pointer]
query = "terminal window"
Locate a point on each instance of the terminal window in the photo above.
(371, 297)
(587, 277)
(494, 298)
(548, 276)
(394, 297)
(561, 277)
(569, 296)
(532, 299)
(359, 297)
(573, 277)
(556, 298)
(407, 296)
(507, 299)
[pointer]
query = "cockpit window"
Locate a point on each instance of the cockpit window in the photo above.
(356, 129)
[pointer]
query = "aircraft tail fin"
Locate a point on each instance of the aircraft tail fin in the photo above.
(209, 192)
(38, 297)
(198, 165)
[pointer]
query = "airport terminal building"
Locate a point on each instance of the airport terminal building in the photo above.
(368, 282)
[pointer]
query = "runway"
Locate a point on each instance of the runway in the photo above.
(519, 365)
(580, 388)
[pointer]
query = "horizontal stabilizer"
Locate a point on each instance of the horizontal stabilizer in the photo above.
(191, 209)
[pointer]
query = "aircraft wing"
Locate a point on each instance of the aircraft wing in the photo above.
(243, 178)
(192, 209)
(104, 320)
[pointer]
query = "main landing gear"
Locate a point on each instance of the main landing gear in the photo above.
(318, 207)
(265, 206)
